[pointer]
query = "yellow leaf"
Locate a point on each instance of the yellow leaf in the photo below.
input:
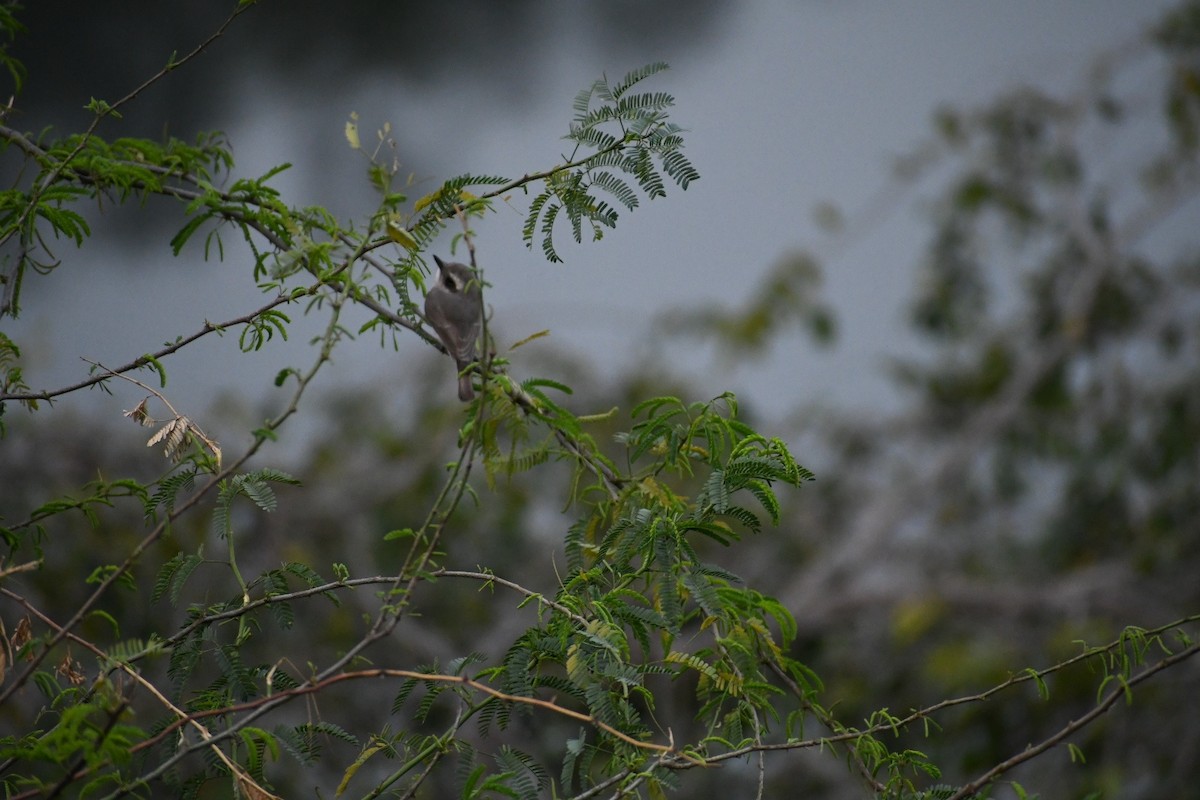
(353, 768)
(400, 235)
(352, 132)
(426, 200)
(530, 338)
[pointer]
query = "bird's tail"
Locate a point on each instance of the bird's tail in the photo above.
(465, 392)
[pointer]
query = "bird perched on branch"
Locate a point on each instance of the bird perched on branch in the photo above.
(454, 307)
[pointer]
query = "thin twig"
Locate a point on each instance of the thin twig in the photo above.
(381, 672)
(142, 361)
(1071, 727)
(489, 578)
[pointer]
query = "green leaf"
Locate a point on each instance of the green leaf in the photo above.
(636, 76)
(357, 764)
(400, 533)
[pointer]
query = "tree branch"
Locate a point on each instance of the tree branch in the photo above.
(974, 786)
(142, 361)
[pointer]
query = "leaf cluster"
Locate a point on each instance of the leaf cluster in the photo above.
(625, 136)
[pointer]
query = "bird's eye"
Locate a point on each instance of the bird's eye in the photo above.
(450, 284)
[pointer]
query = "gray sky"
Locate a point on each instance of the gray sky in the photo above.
(787, 104)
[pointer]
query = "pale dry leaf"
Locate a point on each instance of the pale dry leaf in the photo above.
(203, 437)
(172, 435)
(6, 651)
(22, 635)
(71, 670)
(162, 433)
(252, 790)
(177, 438)
(139, 415)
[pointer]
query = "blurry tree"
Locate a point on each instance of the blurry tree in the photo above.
(221, 627)
(1041, 485)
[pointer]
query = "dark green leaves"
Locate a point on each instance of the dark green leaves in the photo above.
(80, 167)
(254, 485)
(630, 139)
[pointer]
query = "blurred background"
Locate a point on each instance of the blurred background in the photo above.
(789, 107)
(948, 251)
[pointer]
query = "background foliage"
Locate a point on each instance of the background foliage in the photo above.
(991, 593)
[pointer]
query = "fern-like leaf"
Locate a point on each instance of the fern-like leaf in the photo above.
(254, 487)
(636, 76)
(527, 776)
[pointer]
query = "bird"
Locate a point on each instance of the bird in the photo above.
(454, 307)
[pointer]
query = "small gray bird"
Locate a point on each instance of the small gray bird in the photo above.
(453, 306)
